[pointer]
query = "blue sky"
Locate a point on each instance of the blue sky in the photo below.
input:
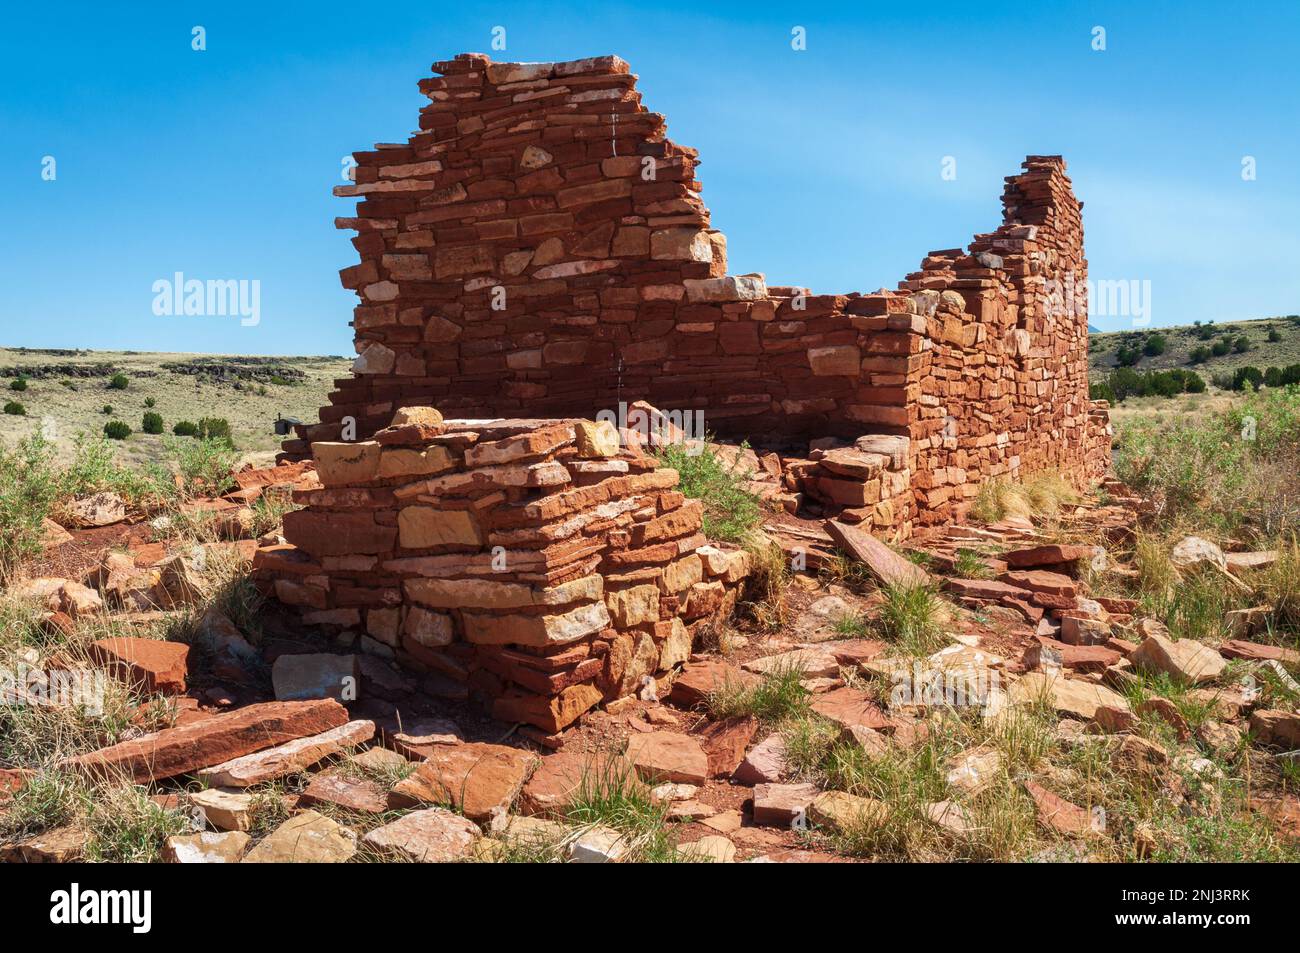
(822, 166)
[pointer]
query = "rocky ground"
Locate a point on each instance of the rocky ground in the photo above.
(993, 691)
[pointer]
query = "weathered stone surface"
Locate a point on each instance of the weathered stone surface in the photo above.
(184, 749)
(206, 847)
(429, 836)
(700, 679)
(61, 845)
(778, 805)
(1184, 659)
(288, 758)
(885, 564)
(338, 464)
(1057, 813)
(306, 838)
(668, 756)
(1066, 695)
(224, 809)
(849, 707)
(1280, 729)
(155, 666)
(710, 849)
(352, 794)
(843, 812)
(101, 509)
(724, 743)
(764, 764)
(475, 779)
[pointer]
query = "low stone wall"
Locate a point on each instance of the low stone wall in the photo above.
(539, 562)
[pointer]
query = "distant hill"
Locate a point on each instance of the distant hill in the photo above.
(1193, 347)
(1092, 330)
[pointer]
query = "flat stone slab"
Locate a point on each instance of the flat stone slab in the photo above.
(207, 847)
(668, 756)
(429, 836)
(777, 805)
(352, 794)
(306, 838)
(474, 778)
(289, 758)
(187, 748)
(885, 564)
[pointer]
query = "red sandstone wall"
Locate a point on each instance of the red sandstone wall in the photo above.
(540, 248)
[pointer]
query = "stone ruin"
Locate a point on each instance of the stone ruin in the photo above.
(537, 257)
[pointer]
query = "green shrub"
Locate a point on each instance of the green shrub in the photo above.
(1127, 356)
(1247, 377)
(1200, 354)
(185, 428)
(18, 383)
(152, 422)
(116, 430)
(215, 428)
(1220, 348)
(204, 465)
(106, 410)
(149, 401)
(1155, 345)
(1274, 335)
(1241, 345)
(94, 468)
(70, 385)
(118, 382)
(15, 409)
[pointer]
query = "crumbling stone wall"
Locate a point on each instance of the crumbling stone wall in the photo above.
(537, 562)
(540, 248)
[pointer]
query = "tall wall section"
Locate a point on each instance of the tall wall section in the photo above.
(540, 249)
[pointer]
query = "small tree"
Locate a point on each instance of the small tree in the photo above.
(1247, 377)
(15, 409)
(116, 430)
(1155, 345)
(149, 402)
(152, 423)
(185, 428)
(1274, 335)
(118, 381)
(18, 383)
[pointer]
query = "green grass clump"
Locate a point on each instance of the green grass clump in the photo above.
(28, 488)
(730, 510)
(912, 616)
(776, 695)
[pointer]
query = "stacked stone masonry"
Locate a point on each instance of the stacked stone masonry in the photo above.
(540, 563)
(540, 248)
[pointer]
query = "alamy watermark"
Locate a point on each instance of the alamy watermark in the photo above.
(221, 297)
(1101, 298)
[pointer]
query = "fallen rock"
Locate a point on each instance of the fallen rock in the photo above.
(883, 563)
(224, 809)
(306, 838)
(710, 849)
(779, 805)
(598, 845)
(62, 845)
(668, 756)
(1057, 813)
(698, 680)
(428, 836)
(850, 706)
(724, 742)
(812, 663)
(1258, 652)
(1193, 551)
(842, 812)
(1186, 660)
(206, 847)
(973, 771)
(764, 764)
(477, 779)
(157, 667)
(422, 737)
(1052, 554)
(291, 757)
(101, 509)
(186, 748)
(1278, 729)
(349, 793)
(1067, 696)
